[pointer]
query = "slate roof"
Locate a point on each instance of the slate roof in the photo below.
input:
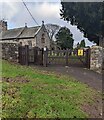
(29, 32)
(18, 33)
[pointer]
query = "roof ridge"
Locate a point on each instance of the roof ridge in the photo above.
(15, 28)
(22, 32)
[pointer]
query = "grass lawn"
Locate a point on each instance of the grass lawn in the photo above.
(31, 93)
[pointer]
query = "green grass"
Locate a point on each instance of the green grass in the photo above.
(46, 95)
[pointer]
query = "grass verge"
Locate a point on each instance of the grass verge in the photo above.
(32, 93)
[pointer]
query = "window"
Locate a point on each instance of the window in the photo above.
(20, 43)
(43, 38)
(30, 43)
(43, 35)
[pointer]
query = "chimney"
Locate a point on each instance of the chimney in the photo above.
(26, 25)
(3, 25)
(42, 22)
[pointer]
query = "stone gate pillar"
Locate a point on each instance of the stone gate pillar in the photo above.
(96, 58)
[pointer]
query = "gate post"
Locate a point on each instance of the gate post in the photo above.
(26, 54)
(88, 58)
(66, 57)
(42, 53)
(35, 55)
(45, 52)
(19, 54)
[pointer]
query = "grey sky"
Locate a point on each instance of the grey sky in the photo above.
(16, 15)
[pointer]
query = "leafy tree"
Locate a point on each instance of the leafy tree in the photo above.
(64, 38)
(82, 44)
(87, 16)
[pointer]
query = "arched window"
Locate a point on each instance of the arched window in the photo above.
(43, 38)
(30, 44)
(20, 43)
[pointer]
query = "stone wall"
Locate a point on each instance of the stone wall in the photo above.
(96, 58)
(10, 51)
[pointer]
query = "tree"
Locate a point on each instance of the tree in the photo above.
(64, 38)
(82, 44)
(52, 30)
(78, 45)
(87, 16)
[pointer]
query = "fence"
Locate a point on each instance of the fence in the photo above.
(54, 57)
(67, 58)
(32, 55)
(92, 58)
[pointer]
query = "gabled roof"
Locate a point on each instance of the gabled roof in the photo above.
(11, 34)
(29, 32)
(18, 33)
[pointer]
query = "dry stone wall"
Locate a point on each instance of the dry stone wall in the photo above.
(96, 58)
(10, 51)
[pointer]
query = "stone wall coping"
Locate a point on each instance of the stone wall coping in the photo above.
(95, 46)
(9, 42)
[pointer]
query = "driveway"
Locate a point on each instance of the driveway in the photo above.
(83, 75)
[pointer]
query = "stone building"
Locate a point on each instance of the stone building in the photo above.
(32, 36)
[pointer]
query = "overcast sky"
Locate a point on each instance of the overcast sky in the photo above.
(48, 10)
